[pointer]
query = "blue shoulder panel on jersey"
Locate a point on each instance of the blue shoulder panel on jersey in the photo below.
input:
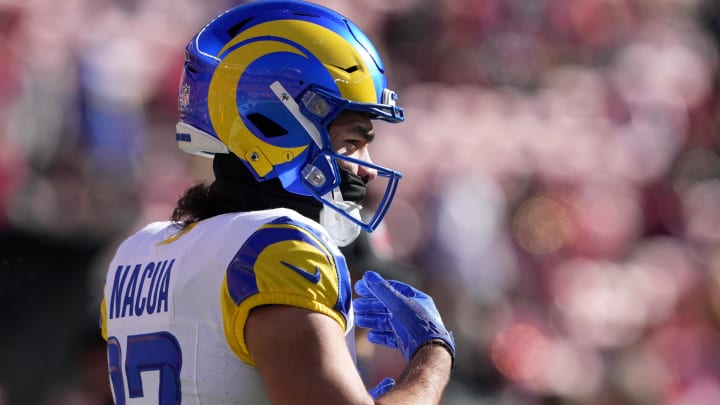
(241, 280)
(345, 296)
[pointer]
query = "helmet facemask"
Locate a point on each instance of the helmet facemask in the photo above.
(321, 176)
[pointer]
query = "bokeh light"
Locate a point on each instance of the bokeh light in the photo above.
(519, 352)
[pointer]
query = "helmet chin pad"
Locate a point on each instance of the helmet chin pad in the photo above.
(338, 224)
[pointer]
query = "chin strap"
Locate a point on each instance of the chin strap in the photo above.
(340, 228)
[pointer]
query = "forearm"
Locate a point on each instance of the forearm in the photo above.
(424, 379)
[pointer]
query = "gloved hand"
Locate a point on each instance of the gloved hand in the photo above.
(383, 386)
(398, 315)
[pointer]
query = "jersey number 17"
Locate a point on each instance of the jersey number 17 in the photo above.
(157, 351)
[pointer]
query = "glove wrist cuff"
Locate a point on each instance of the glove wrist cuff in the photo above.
(443, 344)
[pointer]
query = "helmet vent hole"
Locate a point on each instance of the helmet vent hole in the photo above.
(348, 69)
(235, 29)
(305, 14)
(268, 127)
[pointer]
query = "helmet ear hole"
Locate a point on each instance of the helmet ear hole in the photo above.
(268, 127)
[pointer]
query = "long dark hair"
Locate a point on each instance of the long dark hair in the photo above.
(195, 205)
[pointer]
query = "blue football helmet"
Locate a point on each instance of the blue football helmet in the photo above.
(265, 79)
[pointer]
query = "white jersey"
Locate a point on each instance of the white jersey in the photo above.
(175, 302)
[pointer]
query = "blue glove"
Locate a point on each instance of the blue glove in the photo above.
(398, 315)
(383, 386)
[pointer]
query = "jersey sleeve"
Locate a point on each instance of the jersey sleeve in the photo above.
(283, 263)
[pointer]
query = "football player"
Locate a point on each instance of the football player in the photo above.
(244, 296)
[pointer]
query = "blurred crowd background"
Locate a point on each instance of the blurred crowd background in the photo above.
(561, 198)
